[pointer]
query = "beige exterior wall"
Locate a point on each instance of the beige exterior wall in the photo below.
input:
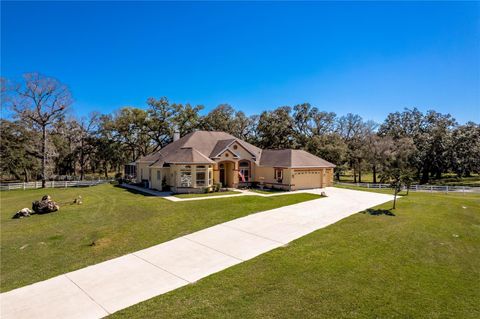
(328, 177)
(174, 180)
(231, 157)
(157, 176)
(142, 171)
(266, 175)
(293, 179)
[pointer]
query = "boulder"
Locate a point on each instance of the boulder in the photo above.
(24, 212)
(45, 206)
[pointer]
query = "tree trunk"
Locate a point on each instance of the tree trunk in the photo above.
(44, 156)
(425, 176)
(359, 175)
(105, 170)
(82, 161)
(25, 174)
(374, 173)
(395, 197)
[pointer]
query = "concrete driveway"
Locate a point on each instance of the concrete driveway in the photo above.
(101, 289)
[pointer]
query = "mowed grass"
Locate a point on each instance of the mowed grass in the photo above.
(111, 222)
(207, 194)
(421, 263)
(267, 191)
(447, 179)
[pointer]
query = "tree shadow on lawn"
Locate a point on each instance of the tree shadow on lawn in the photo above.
(378, 212)
(134, 191)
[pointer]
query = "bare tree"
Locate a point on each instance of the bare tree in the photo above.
(88, 126)
(39, 101)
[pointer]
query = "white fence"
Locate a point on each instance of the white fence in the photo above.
(421, 188)
(50, 184)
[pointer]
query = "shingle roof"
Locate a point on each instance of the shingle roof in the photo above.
(204, 142)
(292, 158)
(198, 146)
(184, 155)
(220, 146)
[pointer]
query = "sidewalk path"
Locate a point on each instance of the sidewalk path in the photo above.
(101, 289)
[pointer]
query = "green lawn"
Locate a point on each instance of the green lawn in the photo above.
(347, 177)
(267, 191)
(447, 179)
(116, 220)
(207, 194)
(421, 263)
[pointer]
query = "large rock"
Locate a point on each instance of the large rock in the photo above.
(24, 212)
(45, 206)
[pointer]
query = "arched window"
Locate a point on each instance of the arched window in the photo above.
(244, 171)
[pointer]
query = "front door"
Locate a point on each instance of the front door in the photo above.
(222, 175)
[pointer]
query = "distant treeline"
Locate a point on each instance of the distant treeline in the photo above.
(42, 140)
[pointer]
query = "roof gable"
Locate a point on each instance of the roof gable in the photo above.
(292, 158)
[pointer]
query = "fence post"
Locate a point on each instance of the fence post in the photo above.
(447, 189)
(416, 188)
(431, 189)
(368, 185)
(8, 186)
(463, 190)
(65, 184)
(380, 185)
(23, 185)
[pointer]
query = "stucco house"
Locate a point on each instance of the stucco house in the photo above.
(202, 158)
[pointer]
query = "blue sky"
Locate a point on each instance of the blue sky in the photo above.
(367, 58)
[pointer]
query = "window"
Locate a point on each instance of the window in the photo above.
(159, 177)
(244, 171)
(185, 176)
(278, 174)
(235, 147)
(201, 175)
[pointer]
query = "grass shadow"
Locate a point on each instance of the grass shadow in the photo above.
(134, 191)
(378, 212)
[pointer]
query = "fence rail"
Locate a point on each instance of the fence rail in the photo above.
(50, 184)
(420, 188)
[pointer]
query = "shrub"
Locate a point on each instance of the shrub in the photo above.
(209, 189)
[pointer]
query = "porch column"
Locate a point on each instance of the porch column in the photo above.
(216, 174)
(235, 174)
(193, 171)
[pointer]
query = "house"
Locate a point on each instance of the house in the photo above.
(202, 158)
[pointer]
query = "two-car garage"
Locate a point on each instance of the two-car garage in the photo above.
(305, 178)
